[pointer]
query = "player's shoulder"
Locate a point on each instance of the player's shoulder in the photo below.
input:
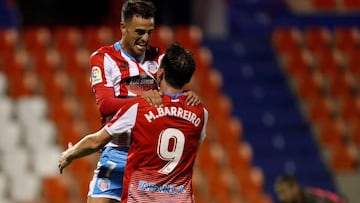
(141, 102)
(103, 50)
(200, 107)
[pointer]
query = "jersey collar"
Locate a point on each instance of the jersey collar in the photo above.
(118, 47)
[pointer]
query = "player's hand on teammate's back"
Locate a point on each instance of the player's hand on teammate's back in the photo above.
(153, 97)
(192, 98)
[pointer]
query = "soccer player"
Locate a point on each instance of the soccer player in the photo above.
(119, 72)
(164, 140)
(288, 190)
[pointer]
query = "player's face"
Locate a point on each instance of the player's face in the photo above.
(286, 193)
(136, 34)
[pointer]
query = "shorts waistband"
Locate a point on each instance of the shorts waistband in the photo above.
(121, 148)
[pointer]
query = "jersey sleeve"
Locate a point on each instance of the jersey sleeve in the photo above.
(123, 121)
(203, 131)
(101, 83)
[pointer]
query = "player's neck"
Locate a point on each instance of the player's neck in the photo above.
(165, 87)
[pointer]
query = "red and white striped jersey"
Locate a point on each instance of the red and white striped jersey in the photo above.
(164, 143)
(114, 70)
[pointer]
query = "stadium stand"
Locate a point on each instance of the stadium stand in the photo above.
(284, 98)
(57, 107)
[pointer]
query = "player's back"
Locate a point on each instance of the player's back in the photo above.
(163, 149)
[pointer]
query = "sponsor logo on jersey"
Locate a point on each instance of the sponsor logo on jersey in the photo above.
(143, 83)
(143, 75)
(152, 67)
(103, 184)
(169, 189)
(96, 75)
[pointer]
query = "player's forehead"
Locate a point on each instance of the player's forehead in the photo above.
(138, 21)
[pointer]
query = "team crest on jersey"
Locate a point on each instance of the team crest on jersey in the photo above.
(103, 184)
(152, 67)
(96, 75)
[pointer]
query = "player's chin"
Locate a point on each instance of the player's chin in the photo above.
(140, 49)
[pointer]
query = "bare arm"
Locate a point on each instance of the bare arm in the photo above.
(89, 144)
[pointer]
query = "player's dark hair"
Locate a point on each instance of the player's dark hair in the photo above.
(288, 179)
(179, 66)
(140, 8)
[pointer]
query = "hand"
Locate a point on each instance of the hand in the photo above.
(192, 99)
(64, 161)
(153, 97)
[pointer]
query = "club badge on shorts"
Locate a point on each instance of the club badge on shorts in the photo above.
(103, 184)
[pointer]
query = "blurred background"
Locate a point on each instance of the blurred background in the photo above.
(281, 80)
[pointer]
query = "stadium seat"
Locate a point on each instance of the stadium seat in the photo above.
(24, 186)
(343, 158)
(330, 62)
(6, 109)
(207, 160)
(317, 39)
(42, 133)
(163, 36)
(15, 162)
(349, 109)
(10, 136)
(325, 5)
(82, 170)
(55, 189)
(47, 63)
(346, 39)
(96, 37)
(354, 133)
(351, 5)
(342, 86)
(198, 183)
(68, 39)
(3, 185)
(56, 87)
(31, 109)
(91, 114)
(320, 110)
(229, 133)
(37, 39)
(332, 133)
(287, 40)
(16, 63)
(189, 36)
(353, 63)
(76, 65)
(3, 84)
(45, 160)
(311, 87)
(240, 159)
(220, 186)
(299, 64)
(252, 185)
(24, 85)
(9, 40)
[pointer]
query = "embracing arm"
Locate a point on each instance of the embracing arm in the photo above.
(107, 103)
(88, 145)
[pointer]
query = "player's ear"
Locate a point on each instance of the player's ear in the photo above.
(160, 74)
(122, 26)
